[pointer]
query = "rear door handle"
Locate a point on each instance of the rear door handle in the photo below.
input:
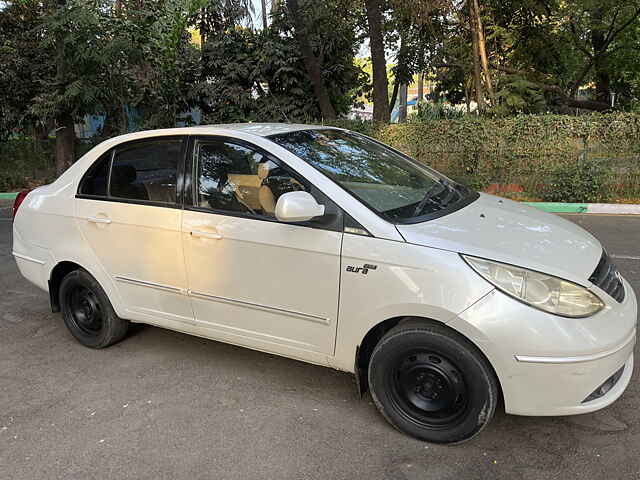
(200, 233)
(98, 220)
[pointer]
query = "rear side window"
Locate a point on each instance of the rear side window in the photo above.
(96, 179)
(146, 171)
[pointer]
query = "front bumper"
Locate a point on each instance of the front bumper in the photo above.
(549, 365)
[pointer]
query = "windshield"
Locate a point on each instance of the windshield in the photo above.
(394, 186)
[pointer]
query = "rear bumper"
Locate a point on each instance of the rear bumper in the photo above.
(549, 365)
(33, 261)
(32, 268)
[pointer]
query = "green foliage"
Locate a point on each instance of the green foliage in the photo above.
(529, 157)
(260, 76)
(23, 64)
(428, 111)
(80, 58)
(24, 162)
(167, 67)
(522, 156)
(584, 180)
(518, 95)
(544, 55)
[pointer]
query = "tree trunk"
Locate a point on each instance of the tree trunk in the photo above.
(477, 76)
(600, 60)
(482, 50)
(64, 120)
(312, 63)
(40, 131)
(420, 88)
(400, 69)
(112, 125)
(65, 142)
(394, 96)
(378, 61)
(402, 116)
(264, 14)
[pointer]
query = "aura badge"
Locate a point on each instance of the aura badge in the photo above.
(363, 269)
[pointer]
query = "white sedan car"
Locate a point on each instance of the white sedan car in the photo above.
(326, 246)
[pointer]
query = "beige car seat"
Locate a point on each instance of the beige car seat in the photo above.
(245, 188)
(265, 194)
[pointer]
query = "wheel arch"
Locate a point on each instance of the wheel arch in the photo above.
(376, 332)
(61, 270)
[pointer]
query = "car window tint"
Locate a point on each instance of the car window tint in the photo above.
(146, 171)
(392, 185)
(95, 181)
(235, 178)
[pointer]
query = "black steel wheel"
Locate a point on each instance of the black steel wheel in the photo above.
(429, 387)
(431, 383)
(87, 312)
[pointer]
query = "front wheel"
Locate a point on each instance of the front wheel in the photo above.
(431, 383)
(87, 312)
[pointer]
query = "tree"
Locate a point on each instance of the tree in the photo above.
(262, 76)
(312, 62)
(561, 46)
(71, 58)
(381, 111)
(22, 63)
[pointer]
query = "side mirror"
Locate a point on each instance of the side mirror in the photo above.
(298, 207)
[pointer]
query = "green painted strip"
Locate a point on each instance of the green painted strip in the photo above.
(8, 196)
(557, 207)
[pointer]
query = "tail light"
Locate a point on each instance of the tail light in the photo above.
(18, 201)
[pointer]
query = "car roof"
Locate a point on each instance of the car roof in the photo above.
(262, 129)
(259, 129)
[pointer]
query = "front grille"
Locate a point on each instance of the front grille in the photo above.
(606, 277)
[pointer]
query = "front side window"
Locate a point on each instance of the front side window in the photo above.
(146, 171)
(395, 187)
(237, 179)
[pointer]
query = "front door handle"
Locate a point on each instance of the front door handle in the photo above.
(200, 233)
(98, 220)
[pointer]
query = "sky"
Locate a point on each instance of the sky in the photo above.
(257, 12)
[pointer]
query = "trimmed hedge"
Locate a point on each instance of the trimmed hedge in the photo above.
(587, 158)
(25, 162)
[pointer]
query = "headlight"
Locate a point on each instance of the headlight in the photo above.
(551, 294)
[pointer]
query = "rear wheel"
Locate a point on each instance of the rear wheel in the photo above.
(431, 383)
(87, 312)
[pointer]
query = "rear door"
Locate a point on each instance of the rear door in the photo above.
(129, 211)
(254, 280)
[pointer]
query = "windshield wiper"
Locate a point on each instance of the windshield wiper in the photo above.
(427, 196)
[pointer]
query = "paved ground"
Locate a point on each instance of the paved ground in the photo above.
(166, 405)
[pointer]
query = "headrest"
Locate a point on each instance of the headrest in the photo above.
(263, 169)
(123, 174)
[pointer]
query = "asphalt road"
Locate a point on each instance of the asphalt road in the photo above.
(163, 405)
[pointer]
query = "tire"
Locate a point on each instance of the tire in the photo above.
(87, 312)
(431, 383)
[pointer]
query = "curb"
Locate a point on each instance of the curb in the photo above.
(601, 208)
(557, 207)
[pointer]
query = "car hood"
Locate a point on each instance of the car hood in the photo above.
(510, 232)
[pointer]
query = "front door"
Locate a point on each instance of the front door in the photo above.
(253, 280)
